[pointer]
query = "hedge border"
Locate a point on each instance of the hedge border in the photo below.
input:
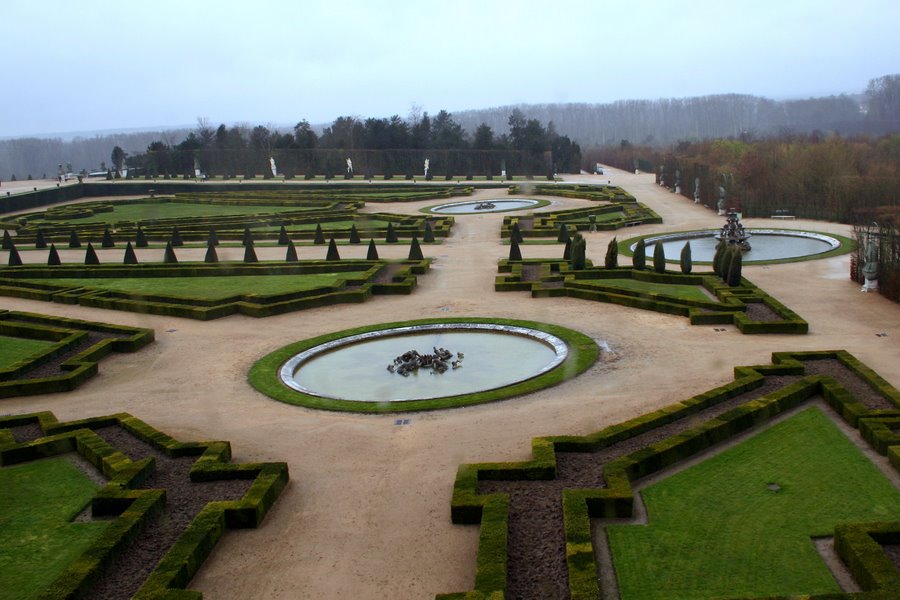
(358, 286)
(134, 507)
(729, 310)
(66, 332)
(490, 511)
(264, 374)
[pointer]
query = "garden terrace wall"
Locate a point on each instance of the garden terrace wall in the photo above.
(132, 508)
(854, 542)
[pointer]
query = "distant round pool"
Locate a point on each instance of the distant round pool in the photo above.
(355, 367)
(766, 244)
(472, 207)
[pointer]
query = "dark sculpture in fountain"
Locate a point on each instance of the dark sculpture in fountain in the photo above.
(733, 233)
(412, 361)
(485, 206)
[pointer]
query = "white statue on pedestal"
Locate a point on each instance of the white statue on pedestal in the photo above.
(273, 167)
(427, 166)
(349, 167)
(870, 268)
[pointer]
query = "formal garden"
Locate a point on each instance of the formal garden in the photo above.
(780, 483)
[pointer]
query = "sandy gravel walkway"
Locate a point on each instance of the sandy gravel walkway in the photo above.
(367, 513)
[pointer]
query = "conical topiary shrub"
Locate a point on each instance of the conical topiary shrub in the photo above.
(211, 255)
(283, 236)
(735, 267)
(639, 260)
(53, 256)
(140, 238)
(169, 256)
(563, 233)
(14, 259)
(250, 253)
(176, 237)
(7, 240)
(579, 246)
(717, 259)
(130, 256)
(515, 253)
(90, 255)
(39, 240)
(372, 254)
(332, 253)
(612, 255)
(354, 234)
(415, 250)
(567, 250)
(107, 241)
(291, 253)
(686, 263)
(659, 258)
(428, 235)
(724, 261)
(515, 233)
(391, 236)
(248, 237)
(320, 235)
(74, 242)
(213, 238)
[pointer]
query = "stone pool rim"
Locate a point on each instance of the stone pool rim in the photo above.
(845, 245)
(433, 210)
(265, 375)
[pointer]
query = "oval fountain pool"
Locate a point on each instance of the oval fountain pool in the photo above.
(486, 206)
(766, 244)
(356, 367)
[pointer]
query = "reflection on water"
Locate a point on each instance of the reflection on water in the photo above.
(765, 246)
(359, 371)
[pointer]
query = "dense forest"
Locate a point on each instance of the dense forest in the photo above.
(656, 123)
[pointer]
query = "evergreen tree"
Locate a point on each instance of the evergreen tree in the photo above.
(724, 261)
(74, 242)
(717, 259)
(140, 239)
(130, 256)
(7, 240)
(53, 256)
(39, 240)
(686, 264)
(107, 241)
(248, 237)
(515, 253)
(428, 236)
(515, 233)
(659, 257)
(14, 259)
(563, 233)
(250, 253)
(735, 267)
(320, 235)
(332, 251)
(612, 254)
(372, 254)
(354, 234)
(283, 236)
(176, 237)
(169, 256)
(567, 250)
(639, 260)
(415, 250)
(579, 245)
(290, 254)
(213, 238)
(211, 255)
(391, 236)
(90, 255)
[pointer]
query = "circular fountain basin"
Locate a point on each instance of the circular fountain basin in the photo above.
(468, 208)
(348, 370)
(355, 367)
(766, 244)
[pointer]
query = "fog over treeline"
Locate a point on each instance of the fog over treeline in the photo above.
(649, 122)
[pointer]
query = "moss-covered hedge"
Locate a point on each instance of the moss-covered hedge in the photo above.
(133, 508)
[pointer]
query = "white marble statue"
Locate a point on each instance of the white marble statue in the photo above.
(349, 167)
(273, 167)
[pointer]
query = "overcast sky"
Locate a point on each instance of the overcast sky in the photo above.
(88, 65)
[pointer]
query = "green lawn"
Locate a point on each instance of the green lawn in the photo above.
(685, 292)
(37, 540)
(172, 210)
(14, 349)
(717, 530)
(209, 288)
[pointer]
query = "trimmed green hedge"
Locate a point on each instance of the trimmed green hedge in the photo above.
(132, 507)
(616, 500)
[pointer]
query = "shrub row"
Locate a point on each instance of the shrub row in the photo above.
(616, 499)
(134, 507)
(68, 332)
(547, 224)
